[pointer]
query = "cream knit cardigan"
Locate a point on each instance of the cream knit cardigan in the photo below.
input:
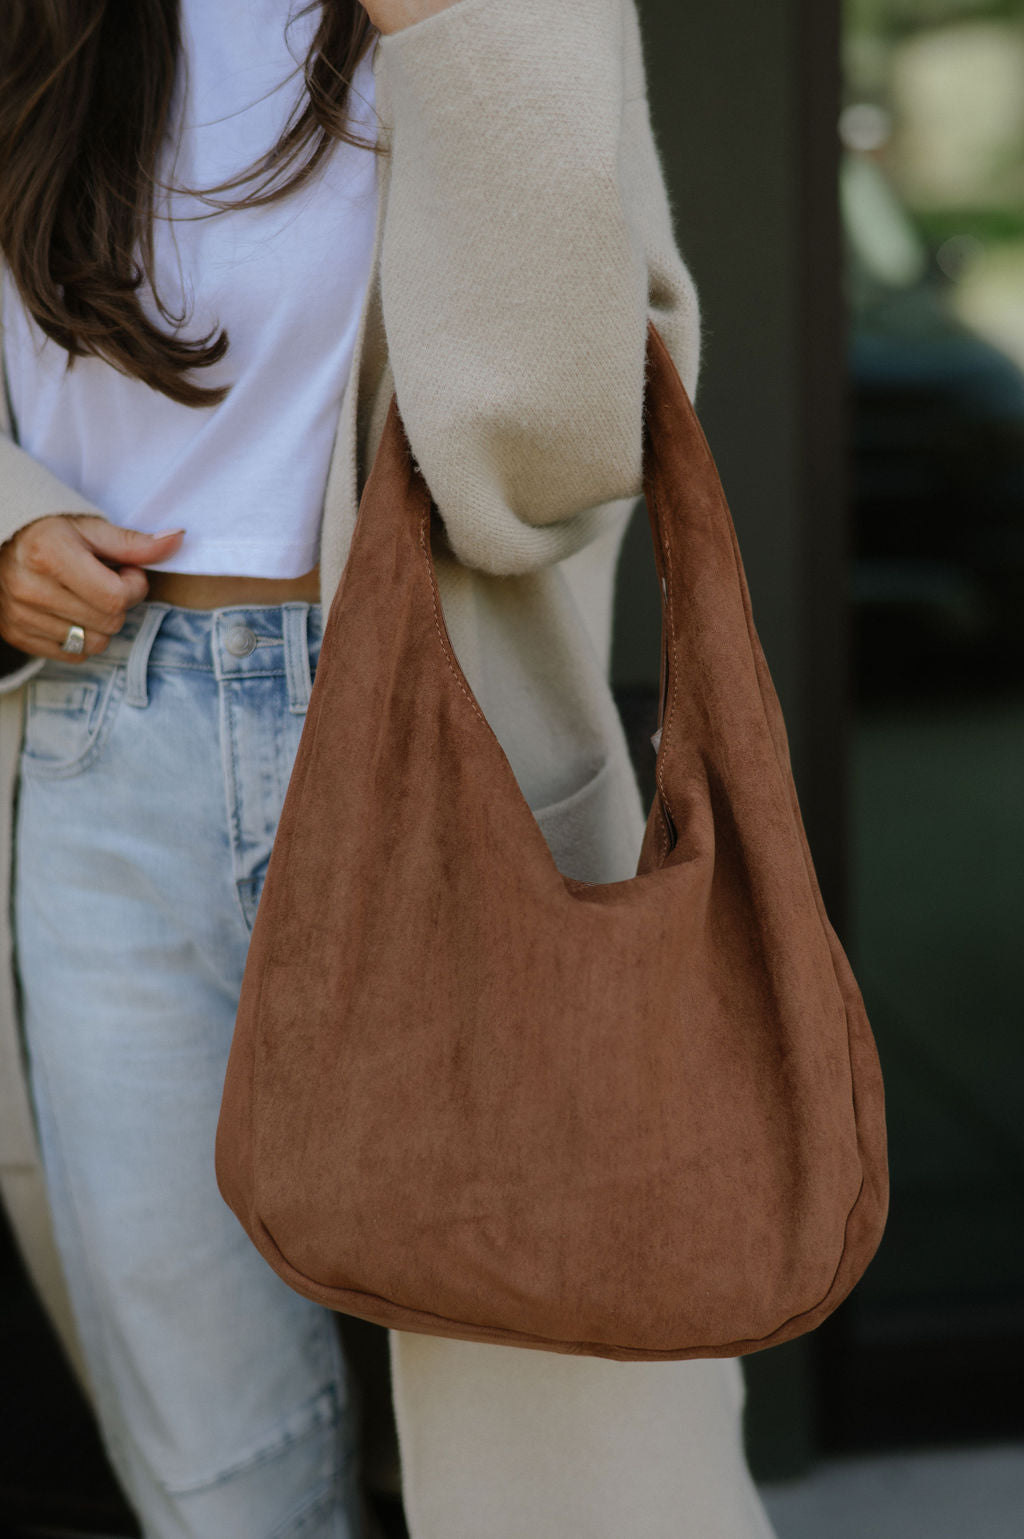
(523, 238)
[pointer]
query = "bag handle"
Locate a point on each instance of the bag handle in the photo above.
(708, 637)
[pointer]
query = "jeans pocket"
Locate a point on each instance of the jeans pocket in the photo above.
(69, 710)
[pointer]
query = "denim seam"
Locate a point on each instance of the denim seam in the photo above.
(254, 673)
(244, 673)
(323, 1411)
(322, 1500)
(231, 788)
(158, 662)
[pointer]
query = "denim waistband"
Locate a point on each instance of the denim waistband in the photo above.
(235, 641)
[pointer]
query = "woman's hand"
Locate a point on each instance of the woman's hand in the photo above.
(54, 572)
(393, 15)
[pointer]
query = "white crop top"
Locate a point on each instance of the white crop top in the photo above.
(246, 478)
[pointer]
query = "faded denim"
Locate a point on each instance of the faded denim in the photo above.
(150, 786)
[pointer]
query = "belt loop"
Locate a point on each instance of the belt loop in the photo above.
(294, 621)
(135, 691)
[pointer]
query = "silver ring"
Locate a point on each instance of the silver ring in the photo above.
(74, 641)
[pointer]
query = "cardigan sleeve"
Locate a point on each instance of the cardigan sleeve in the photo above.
(527, 239)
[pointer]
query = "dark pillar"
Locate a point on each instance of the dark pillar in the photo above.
(745, 101)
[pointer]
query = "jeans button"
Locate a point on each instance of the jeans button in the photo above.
(240, 641)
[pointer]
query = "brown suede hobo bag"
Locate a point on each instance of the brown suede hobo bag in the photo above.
(471, 1096)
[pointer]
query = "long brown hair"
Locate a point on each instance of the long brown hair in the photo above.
(86, 90)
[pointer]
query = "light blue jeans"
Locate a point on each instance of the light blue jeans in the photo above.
(150, 786)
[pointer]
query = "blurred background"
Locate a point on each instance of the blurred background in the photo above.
(848, 189)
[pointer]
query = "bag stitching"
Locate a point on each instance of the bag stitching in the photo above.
(432, 579)
(666, 726)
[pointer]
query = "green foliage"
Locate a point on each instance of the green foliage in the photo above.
(896, 18)
(992, 226)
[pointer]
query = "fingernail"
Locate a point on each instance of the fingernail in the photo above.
(165, 532)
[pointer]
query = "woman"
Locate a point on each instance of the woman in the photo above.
(175, 512)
